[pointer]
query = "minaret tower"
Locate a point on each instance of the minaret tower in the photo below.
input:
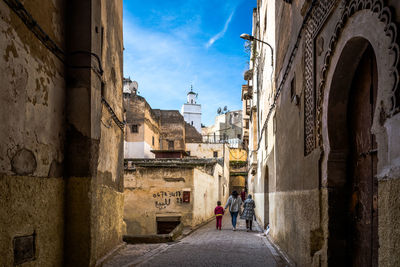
(191, 111)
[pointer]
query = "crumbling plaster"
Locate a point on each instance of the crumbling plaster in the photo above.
(33, 89)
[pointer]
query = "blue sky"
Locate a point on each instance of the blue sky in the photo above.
(170, 45)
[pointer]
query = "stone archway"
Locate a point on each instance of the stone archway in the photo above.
(352, 185)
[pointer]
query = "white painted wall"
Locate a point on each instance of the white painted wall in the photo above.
(137, 150)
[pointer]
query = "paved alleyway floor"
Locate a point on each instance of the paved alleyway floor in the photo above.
(205, 247)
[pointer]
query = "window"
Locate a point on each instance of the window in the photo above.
(292, 89)
(170, 145)
(192, 123)
(188, 153)
(152, 140)
(215, 154)
(134, 128)
(247, 124)
(191, 101)
(239, 136)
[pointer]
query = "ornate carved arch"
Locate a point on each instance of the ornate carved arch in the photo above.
(313, 95)
(385, 15)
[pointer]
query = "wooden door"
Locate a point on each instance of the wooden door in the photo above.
(363, 209)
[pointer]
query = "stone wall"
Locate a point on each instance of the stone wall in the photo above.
(61, 152)
(206, 189)
(150, 192)
(32, 134)
(204, 150)
(172, 129)
(139, 113)
(302, 164)
(154, 188)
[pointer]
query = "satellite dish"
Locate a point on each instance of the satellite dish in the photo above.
(225, 108)
(219, 111)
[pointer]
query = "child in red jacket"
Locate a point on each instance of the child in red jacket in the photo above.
(219, 212)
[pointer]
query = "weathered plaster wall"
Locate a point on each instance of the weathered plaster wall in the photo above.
(286, 191)
(172, 129)
(389, 222)
(107, 187)
(205, 150)
(31, 147)
(94, 140)
(145, 199)
(139, 112)
(205, 195)
(48, 132)
(31, 205)
(33, 89)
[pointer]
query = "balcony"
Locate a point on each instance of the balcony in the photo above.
(253, 162)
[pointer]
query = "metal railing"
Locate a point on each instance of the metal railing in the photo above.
(222, 139)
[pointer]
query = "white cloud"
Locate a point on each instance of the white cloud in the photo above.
(221, 33)
(165, 66)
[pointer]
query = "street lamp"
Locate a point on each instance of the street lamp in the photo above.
(251, 38)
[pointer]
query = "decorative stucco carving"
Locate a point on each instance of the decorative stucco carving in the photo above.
(384, 14)
(317, 19)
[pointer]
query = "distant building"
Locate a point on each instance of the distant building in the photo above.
(163, 194)
(237, 169)
(191, 111)
(153, 133)
(227, 128)
(171, 178)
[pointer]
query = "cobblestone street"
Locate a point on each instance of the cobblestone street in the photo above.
(205, 247)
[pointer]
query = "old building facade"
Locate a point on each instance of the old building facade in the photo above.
(61, 152)
(179, 184)
(324, 154)
(226, 128)
(142, 128)
(162, 193)
(237, 169)
(151, 133)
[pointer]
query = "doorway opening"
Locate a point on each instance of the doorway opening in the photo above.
(266, 197)
(352, 161)
(166, 225)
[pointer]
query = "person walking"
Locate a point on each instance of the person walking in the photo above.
(243, 195)
(234, 203)
(219, 212)
(248, 212)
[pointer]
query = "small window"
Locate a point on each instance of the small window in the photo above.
(134, 128)
(192, 123)
(247, 124)
(152, 140)
(170, 145)
(239, 136)
(292, 89)
(215, 154)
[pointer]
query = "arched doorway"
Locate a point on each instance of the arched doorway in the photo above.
(352, 161)
(266, 197)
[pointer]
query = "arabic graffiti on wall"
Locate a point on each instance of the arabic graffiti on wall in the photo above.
(163, 198)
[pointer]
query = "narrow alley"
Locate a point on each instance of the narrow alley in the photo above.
(205, 247)
(127, 126)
